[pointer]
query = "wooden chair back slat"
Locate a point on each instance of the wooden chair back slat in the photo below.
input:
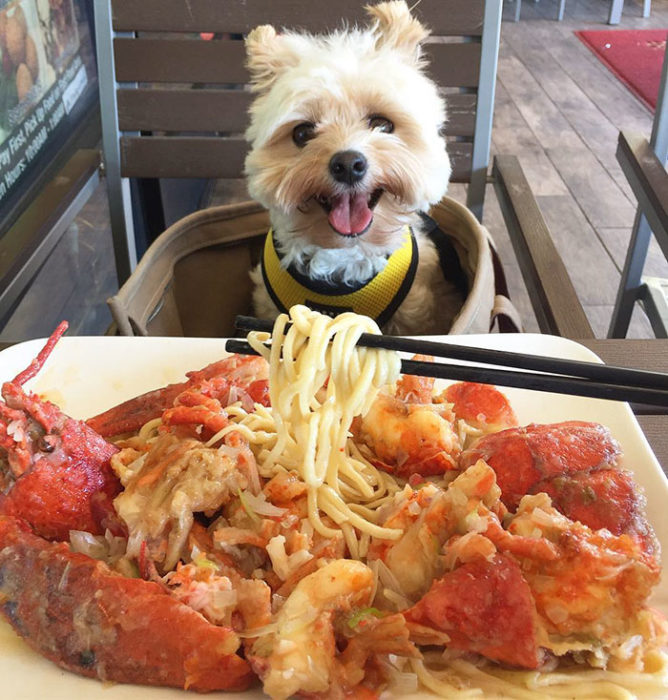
(214, 157)
(194, 61)
(221, 110)
(183, 110)
(463, 17)
(177, 60)
(460, 114)
(454, 64)
(460, 153)
(182, 156)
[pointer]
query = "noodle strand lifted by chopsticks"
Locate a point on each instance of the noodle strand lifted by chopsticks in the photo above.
(319, 381)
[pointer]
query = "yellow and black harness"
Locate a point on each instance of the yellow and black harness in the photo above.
(378, 297)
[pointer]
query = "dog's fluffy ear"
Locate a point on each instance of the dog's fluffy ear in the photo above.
(267, 56)
(395, 28)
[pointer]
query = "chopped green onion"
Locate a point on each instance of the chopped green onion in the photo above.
(205, 563)
(361, 614)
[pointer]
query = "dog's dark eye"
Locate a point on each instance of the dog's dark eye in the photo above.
(303, 133)
(379, 123)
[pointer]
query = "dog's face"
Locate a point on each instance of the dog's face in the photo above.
(345, 131)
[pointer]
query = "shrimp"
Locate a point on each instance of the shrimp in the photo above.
(416, 432)
(300, 655)
(480, 406)
(523, 457)
(484, 606)
(607, 498)
(407, 433)
(414, 389)
(429, 517)
(408, 438)
(595, 588)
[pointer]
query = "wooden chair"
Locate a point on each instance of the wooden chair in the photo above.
(649, 181)
(643, 164)
(174, 105)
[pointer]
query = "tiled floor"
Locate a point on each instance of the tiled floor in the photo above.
(557, 108)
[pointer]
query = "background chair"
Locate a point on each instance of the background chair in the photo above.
(643, 164)
(616, 7)
(174, 105)
(614, 17)
(560, 9)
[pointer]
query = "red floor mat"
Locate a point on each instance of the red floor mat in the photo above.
(634, 56)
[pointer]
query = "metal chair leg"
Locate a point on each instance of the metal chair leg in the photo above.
(560, 13)
(616, 7)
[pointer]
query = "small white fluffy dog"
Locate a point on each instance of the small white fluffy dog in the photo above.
(346, 150)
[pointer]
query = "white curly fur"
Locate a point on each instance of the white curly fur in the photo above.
(337, 83)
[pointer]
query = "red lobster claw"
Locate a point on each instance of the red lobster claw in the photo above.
(54, 470)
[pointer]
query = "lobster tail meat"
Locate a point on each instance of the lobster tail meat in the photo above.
(522, 457)
(607, 498)
(79, 614)
(54, 470)
(226, 381)
(577, 464)
(484, 606)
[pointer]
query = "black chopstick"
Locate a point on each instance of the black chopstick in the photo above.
(606, 374)
(574, 386)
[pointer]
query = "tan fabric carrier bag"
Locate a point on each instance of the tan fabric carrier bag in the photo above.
(194, 280)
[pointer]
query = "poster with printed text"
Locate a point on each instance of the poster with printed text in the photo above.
(41, 77)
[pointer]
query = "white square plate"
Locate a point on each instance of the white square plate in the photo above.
(85, 376)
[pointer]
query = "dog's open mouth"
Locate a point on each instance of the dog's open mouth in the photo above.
(351, 213)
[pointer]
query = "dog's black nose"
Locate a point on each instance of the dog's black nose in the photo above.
(348, 167)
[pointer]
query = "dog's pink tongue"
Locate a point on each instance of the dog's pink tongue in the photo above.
(350, 214)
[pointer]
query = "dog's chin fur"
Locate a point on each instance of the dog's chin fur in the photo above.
(309, 244)
(338, 83)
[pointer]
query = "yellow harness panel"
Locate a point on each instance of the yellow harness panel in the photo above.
(378, 298)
